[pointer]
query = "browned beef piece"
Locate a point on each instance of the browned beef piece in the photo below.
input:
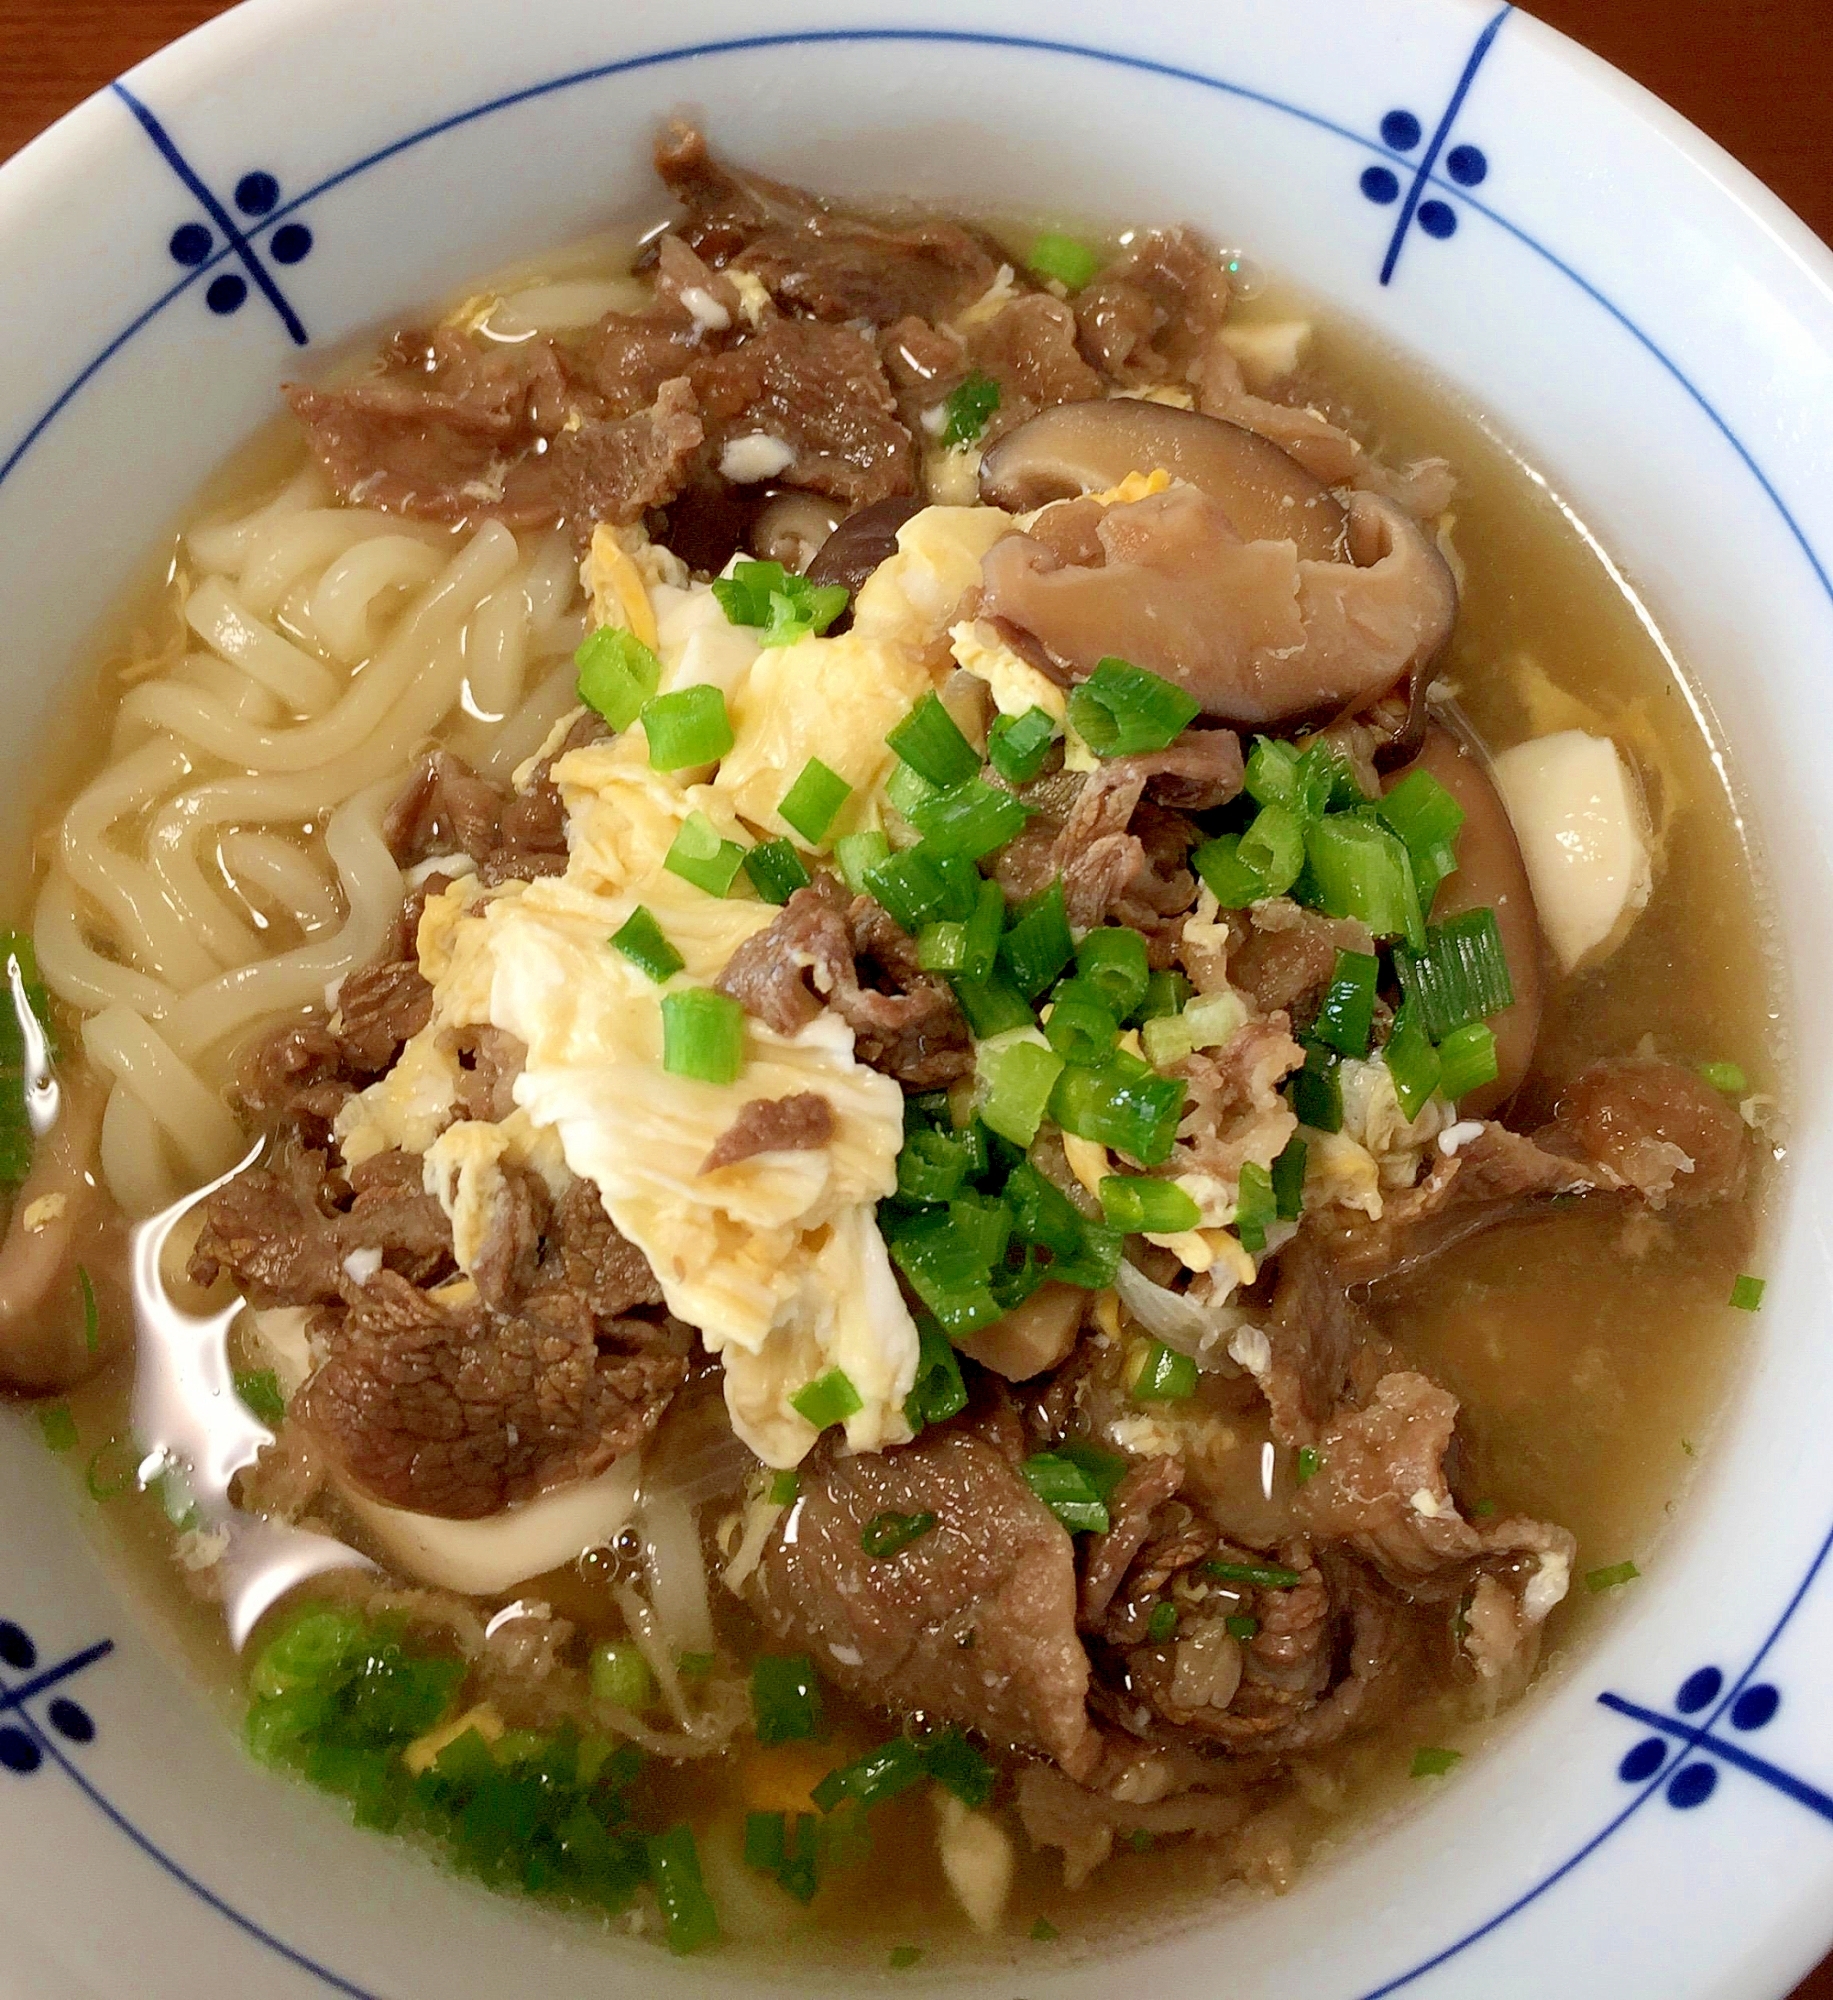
(1286, 956)
(506, 1263)
(821, 390)
(490, 1060)
(906, 1023)
(379, 1009)
(1324, 1345)
(817, 260)
(463, 1411)
(617, 468)
(1657, 1128)
(533, 825)
(1107, 1557)
(1029, 349)
(444, 808)
(1234, 1111)
(973, 1623)
(1134, 1793)
(798, 1123)
(1156, 309)
(294, 1075)
(608, 1271)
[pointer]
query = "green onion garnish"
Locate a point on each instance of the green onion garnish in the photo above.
(621, 1676)
(1121, 709)
(906, 789)
(1140, 1841)
(1044, 1932)
(1316, 1091)
(968, 408)
(112, 1469)
(1273, 847)
(828, 1399)
(1241, 1627)
(1206, 1023)
(1427, 818)
(879, 1775)
(785, 1698)
(1435, 1763)
(938, 1392)
(1225, 875)
(1412, 1062)
(1306, 782)
(703, 1035)
(1467, 1060)
(1072, 263)
(1747, 1293)
(685, 728)
(1082, 1252)
(1361, 869)
(993, 1006)
(934, 1165)
(617, 674)
(1256, 1208)
(1162, 1622)
(58, 1427)
(903, 1956)
(258, 1390)
(776, 870)
(885, 1534)
(1018, 744)
(788, 1851)
(1726, 1077)
(1166, 993)
(700, 856)
(1139, 1205)
(784, 1486)
(1166, 1377)
(1461, 976)
(946, 1256)
(689, 1920)
(639, 937)
(787, 607)
(1607, 1579)
(909, 887)
(1113, 961)
(1081, 1027)
(1345, 1019)
(1038, 945)
(1482, 1510)
(969, 820)
(953, 1762)
(857, 853)
(966, 948)
(1068, 1490)
(930, 742)
(1268, 1576)
(1124, 1103)
(1289, 1182)
(1015, 1075)
(811, 803)
(1310, 1464)
(92, 1313)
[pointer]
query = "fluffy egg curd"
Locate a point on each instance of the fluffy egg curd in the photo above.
(776, 1259)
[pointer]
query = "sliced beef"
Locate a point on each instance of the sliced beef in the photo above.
(489, 1061)
(294, 1076)
(506, 1259)
(1655, 1127)
(973, 1623)
(1154, 1536)
(617, 468)
(444, 808)
(460, 1411)
(1233, 1112)
(1029, 349)
(1135, 1793)
(1322, 1346)
(1155, 311)
(1106, 1558)
(602, 1265)
(379, 1010)
(1284, 956)
(798, 1123)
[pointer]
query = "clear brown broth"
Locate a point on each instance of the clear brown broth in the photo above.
(1591, 1355)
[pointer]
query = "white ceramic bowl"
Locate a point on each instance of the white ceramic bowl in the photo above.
(1615, 292)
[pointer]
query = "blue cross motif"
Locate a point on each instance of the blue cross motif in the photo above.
(23, 1743)
(1691, 1771)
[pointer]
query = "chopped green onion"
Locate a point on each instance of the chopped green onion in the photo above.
(969, 820)
(934, 1165)
(938, 1392)
(858, 853)
(931, 743)
(1225, 875)
(1081, 1028)
(639, 937)
(1747, 1293)
(700, 856)
(1068, 260)
(1726, 1077)
(258, 1390)
(785, 1698)
(787, 607)
(1427, 818)
(1166, 1377)
(685, 728)
(1018, 744)
(784, 1486)
(1162, 1622)
(879, 1775)
(58, 1427)
(621, 1676)
(965, 948)
(1467, 1060)
(962, 884)
(1121, 709)
(906, 789)
(1435, 1763)
(1482, 1510)
(688, 1917)
(703, 1035)
(1306, 782)
(1309, 1464)
(812, 802)
(909, 887)
(1241, 1627)
(885, 1534)
(1267, 1576)
(1113, 960)
(1161, 1208)
(993, 1006)
(1412, 1062)
(789, 1852)
(1361, 869)
(112, 1470)
(1140, 1841)
(1607, 1579)
(1082, 1252)
(1038, 945)
(1274, 848)
(1124, 1103)
(1461, 976)
(1317, 1090)
(1346, 1018)
(828, 1399)
(1205, 1023)
(1044, 1932)
(1289, 1182)
(1256, 1207)
(968, 409)
(944, 1254)
(953, 1762)
(1067, 1489)
(776, 870)
(1166, 993)
(617, 674)
(92, 1313)
(1015, 1074)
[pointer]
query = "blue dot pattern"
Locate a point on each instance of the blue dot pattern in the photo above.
(23, 1741)
(1381, 184)
(255, 194)
(1700, 1753)
(1438, 218)
(192, 244)
(1467, 166)
(1401, 130)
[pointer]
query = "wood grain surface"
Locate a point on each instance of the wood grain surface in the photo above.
(1757, 75)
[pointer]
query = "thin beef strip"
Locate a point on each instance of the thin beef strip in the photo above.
(800, 1122)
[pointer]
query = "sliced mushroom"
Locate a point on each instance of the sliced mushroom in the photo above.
(1032, 1337)
(855, 549)
(1081, 448)
(793, 528)
(1490, 874)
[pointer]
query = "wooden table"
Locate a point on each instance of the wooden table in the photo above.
(1756, 74)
